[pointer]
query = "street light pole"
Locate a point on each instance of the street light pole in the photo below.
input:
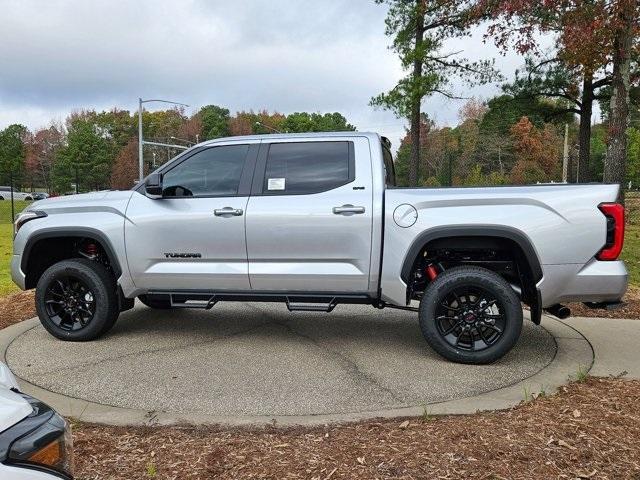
(140, 146)
(141, 141)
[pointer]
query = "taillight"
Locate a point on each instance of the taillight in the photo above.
(615, 231)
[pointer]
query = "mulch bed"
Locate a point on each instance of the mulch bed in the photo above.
(589, 430)
(16, 307)
(631, 308)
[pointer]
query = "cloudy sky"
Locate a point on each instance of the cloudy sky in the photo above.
(285, 55)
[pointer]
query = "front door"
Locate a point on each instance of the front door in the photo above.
(309, 218)
(194, 237)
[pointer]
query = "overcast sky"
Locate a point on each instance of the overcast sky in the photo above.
(284, 55)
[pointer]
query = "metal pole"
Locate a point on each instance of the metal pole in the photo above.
(13, 212)
(565, 155)
(140, 150)
(77, 181)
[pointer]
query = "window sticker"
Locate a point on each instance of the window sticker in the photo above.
(275, 184)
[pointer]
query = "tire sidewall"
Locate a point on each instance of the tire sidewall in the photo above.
(492, 283)
(103, 293)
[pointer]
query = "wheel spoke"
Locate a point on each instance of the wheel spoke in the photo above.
(493, 327)
(451, 329)
(56, 302)
(482, 337)
(449, 307)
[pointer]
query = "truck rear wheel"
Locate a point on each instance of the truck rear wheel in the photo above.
(77, 300)
(470, 315)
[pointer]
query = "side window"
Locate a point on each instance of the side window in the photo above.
(389, 169)
(212, 172)
(308, 167)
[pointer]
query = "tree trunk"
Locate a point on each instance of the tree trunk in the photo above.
(416, 99)
(584, 136)
(616, 161)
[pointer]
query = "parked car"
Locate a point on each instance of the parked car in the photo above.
(35, 442)
(5, 194)
(39, 195)
(315, 220)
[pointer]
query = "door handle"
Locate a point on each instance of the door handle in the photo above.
(228, 212)
(348, 210)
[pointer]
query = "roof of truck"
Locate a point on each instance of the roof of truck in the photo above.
(279, 136)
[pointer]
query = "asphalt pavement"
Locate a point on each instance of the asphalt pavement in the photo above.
(261, 360)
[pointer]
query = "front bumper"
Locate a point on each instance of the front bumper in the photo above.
(17, 275)
(597, 281)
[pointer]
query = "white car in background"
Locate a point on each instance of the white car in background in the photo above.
(35, 441)
(5, 194)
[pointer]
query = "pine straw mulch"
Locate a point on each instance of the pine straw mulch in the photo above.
(589, 430)
(631, 308)
(16, 307)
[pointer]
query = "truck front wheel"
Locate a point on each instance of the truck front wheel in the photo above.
(77, 300)
(470, 315)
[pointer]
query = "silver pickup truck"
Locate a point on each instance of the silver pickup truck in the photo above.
(315, 220)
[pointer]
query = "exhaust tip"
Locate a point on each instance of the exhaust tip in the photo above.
(559, 311)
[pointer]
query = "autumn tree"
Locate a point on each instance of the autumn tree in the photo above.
(589, 34)
(419, 29)
(537, 152)
(574, 86)
(42, 148)
(125, 167)
(87, 155)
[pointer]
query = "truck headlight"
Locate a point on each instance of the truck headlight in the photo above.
(24, 217)
(42, 441)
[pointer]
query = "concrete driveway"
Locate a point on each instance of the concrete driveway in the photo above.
(259, 360)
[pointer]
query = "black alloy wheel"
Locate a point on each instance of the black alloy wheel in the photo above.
(70, 303)
(470, 315)
(77, 300)
(470, 318)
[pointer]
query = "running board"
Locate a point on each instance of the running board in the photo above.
(311, 307)
(205, 302)
(295, 301)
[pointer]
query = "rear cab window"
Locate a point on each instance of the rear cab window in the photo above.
(298, 168)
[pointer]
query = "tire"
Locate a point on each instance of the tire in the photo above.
(470, 315)
(157, 302)
(77, 300)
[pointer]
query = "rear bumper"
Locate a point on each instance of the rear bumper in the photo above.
(597, 281)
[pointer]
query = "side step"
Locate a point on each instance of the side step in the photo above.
(298, 306)
(205, 302)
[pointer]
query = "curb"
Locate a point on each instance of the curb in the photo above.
(573, 352)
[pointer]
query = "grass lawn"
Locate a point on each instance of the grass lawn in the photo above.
(6, 244)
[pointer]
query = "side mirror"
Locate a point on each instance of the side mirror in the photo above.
(153, 185)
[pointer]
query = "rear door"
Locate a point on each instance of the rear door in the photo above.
(194, 237)
(309, 218)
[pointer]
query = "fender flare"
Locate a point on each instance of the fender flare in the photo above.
(79, 232)
(499, 232)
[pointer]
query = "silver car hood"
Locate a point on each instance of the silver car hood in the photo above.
(81, 200)
(13, 407)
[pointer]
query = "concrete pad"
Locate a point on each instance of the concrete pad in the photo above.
(616, 344)
(256, 363)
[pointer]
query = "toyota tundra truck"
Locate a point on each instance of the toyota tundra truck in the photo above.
(313, 221)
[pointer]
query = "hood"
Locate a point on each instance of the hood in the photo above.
(13, 407)
(80, 200)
